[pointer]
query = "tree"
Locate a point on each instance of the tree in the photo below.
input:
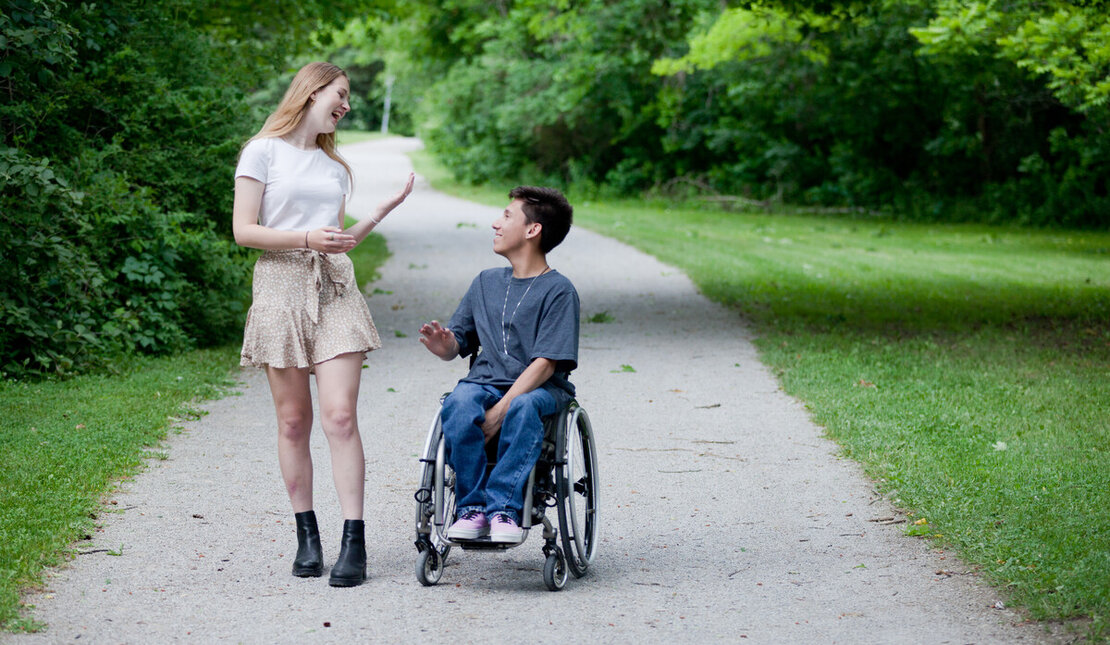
(119, 128)
(551, 91)
(923, 108)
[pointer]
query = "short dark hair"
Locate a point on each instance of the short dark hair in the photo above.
(550, 209)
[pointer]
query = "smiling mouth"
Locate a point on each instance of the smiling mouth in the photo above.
(337, 115)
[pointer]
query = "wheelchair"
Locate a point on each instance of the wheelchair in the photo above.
(564, 478)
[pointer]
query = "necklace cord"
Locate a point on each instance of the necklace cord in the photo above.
(505, 304)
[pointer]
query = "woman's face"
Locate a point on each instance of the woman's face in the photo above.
(331, 104)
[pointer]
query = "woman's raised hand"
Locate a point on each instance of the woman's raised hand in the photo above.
(395, 200)
(405, 191)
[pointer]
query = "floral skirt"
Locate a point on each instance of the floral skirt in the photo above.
(307, 308)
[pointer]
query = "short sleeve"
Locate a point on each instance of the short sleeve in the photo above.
(557, 335)
(462, 322)
(254, 161)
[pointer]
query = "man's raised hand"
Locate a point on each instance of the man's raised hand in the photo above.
(439, 340)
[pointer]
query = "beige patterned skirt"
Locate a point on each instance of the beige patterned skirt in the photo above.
(307, 308)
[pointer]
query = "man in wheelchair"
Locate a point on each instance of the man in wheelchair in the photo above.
(525, 320)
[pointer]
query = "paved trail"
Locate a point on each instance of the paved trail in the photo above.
(726, 516)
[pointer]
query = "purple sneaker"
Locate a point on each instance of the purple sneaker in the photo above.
(471, 526)
(505, 530)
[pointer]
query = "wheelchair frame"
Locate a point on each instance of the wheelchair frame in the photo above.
(564, 477)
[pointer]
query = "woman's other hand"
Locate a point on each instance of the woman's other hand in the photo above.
(331, 239)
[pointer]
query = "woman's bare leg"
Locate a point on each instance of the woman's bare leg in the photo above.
(293, 403)
(337, 382)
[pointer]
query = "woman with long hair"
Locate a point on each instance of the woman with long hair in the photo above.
(308, 314)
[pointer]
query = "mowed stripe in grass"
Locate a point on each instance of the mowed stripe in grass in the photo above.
(809, 267)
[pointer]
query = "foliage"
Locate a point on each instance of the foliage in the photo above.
(856, 105)
(1063, 49)
(119, 129)
(746, 34)
(552, 91)
(1066, 43)
(356, 49)
(79, 286)
(923, 109)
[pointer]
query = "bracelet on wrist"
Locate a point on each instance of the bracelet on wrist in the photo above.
(306, 239)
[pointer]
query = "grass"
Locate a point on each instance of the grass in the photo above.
(966, 367)
(65, 445)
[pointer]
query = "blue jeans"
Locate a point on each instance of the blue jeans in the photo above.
(518, 448)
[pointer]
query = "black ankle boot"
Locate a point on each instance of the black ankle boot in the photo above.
(350, 568)
(309, 562)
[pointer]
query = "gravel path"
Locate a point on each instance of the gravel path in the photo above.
(726, 515)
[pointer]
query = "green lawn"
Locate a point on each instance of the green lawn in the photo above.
(64, 445)
(966, 367)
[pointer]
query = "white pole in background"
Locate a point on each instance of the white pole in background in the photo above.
(388, 101)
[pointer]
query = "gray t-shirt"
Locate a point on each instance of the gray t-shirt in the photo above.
(515, 321)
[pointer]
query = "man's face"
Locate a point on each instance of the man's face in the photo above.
(512, 228)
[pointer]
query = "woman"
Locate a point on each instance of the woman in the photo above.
(308, 314)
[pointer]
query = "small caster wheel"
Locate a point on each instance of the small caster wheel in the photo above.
(429, 567)
(555, 571)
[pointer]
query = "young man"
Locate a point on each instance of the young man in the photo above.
(525, 319)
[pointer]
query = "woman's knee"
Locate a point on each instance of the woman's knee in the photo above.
(294, 426)
(339, 423)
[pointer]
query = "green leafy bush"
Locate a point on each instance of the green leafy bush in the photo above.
(921, 109)
(115, 159)
(87, 275)
(540, 95)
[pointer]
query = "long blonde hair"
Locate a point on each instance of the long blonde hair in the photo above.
(297, 100)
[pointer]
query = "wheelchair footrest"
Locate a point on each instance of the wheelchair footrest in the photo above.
(485, 544)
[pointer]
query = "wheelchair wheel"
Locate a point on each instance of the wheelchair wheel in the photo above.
(555, 571)
(444, 490)
(435, 508)
(429, 567)
(577, 489)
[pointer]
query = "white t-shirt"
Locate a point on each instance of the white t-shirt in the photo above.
(304, 188)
